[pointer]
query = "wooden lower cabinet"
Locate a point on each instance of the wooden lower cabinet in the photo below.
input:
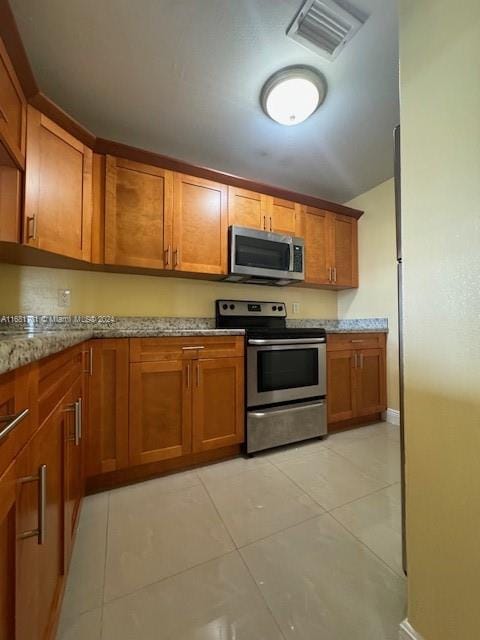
(218, 403)
(356, 377)
(160, 410)
(106, 411)
(40, 560)
(8, 509)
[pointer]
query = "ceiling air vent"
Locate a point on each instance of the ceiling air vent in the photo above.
(323, 27)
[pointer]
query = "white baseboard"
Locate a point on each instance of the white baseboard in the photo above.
(407, 632)
(392, 416)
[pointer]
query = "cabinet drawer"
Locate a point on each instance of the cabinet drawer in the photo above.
(183, 348)
(342, 341)
(17, 393)
(56, 374)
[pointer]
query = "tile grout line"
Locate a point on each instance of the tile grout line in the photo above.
(367, 495)
(218, 513)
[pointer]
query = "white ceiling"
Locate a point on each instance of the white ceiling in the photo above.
(183, 77)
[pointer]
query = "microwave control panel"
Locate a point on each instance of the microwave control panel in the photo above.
(297, 258)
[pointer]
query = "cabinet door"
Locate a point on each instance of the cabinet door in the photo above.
(340, 385)
(318, 266)
(7, 553)
(58, 190)
(345, 251)
(218, 403)
(138, 213)
(106, 437)
(160, 410)
(73, 462)
(284, 215)
(40, 562)
(13, 109)
(247, 208)
(199, 225)
(10, 204)
(370, 382)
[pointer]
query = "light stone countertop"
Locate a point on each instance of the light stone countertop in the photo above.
(22, 344)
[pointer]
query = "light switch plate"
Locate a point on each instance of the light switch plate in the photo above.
(64, 297)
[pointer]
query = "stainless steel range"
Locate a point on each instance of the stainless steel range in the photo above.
(285, 374)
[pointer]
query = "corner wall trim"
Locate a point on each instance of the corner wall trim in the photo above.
(392, 416)
(407, 632)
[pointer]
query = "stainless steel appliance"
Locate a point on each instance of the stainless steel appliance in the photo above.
(263, 257)
(285, 374)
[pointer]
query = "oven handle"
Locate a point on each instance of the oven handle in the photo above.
(292, 341)
(289, 409)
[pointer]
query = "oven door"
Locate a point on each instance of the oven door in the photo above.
(261, 253)
(284, 370)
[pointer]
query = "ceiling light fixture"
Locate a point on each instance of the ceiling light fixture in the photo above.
(292, 94)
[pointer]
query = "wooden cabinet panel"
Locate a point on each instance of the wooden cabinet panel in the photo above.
(160, 410)
(7, 553)
(10, 204)
(40, 566)
(58, 190)
(370, 382)
(13, 109)
(107, 400)
(73, 462)
(340, 385)
(199, 225)
(284, 216)
(342, 341)
(218, 403)
(247, 208)
(345, 248)
(154, 349)
(138, 214)
(56, 374)
(317, 246)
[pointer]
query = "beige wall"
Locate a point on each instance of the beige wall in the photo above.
(440, 119)
(377, 294)
(34, 290)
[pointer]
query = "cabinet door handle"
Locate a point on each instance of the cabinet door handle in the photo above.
(69, 409)
(264, 223)
(361, 361)
(175, 257)
(330, 274)
(89, 369)
(192, 348)
(271, 227)
(356, 361)
(168, 255)
(3, 115)
(31, 228)
(188, 376)
(198, 376)
(79, 422)
(41, 478)
(12, 422)
(334, 272)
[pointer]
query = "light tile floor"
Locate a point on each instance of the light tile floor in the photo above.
(301, 543)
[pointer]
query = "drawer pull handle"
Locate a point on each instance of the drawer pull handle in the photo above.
(191, 348)
(41, 478)
(12, 422)
(357, 340)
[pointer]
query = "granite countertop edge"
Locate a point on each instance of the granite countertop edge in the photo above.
(22, 347)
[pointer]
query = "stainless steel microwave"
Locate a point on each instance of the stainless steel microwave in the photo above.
(263, 257)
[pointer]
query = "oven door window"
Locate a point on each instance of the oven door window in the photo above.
(287, 369)
(261, 253)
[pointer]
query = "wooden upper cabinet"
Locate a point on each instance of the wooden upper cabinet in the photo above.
(316, 227)
(58, 190)
(138, 214)
(284, 216)
(199, 225)
(160, 410)
(218, 403)
(13, 111)
(10, 203)
(344, 251)
(247, 208)
(106, 429)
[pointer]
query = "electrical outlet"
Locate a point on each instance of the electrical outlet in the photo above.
(296, 307)
(64, 297)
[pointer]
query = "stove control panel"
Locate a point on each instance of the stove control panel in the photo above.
(249, 308)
